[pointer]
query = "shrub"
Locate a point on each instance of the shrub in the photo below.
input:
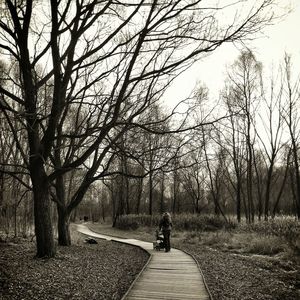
(193, 222)
(265, 246)
(219, 239)
(286, 228)
(186, 222)
(127, 222)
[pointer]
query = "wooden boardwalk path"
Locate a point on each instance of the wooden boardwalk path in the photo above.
(173, 275)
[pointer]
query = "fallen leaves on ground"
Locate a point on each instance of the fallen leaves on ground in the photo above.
(241, 277)
(102, 271)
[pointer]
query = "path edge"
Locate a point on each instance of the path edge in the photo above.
(148, 261)
(141, 271)
(199, 268)
(112, 236)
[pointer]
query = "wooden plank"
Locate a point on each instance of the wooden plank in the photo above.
(173, 275)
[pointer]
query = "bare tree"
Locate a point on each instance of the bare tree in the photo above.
(215, 172)
(245, 78)
(260, 170)
(291, 116)
(271, 139)
(99, 57)
(14, 179)
(193, 179)
(288, 153)
(235, 141)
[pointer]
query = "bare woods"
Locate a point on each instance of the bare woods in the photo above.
(82, 116)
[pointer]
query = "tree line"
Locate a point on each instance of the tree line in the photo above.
(243, 165)
(80, 98)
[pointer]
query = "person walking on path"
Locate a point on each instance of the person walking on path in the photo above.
(165, 226)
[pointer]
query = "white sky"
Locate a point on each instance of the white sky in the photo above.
(279, 38)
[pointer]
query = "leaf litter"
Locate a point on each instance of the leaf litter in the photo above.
(101, 271)
(246, 277)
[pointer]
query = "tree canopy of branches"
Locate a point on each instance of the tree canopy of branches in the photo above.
(78, 74)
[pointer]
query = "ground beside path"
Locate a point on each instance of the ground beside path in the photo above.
(231, 274)
(174, 275)
(80, 272)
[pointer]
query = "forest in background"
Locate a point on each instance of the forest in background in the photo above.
(243, 166)
(85, 133)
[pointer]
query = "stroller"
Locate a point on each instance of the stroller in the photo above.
(159, 243)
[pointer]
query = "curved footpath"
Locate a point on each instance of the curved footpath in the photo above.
(174, 275)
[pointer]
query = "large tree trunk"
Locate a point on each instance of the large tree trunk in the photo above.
(64, 237)
(42, 214)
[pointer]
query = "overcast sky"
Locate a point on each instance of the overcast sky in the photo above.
(279, 38)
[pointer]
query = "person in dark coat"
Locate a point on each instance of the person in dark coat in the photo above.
(165, 226)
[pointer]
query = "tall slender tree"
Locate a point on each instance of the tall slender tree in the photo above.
(245, 78)
(291, 116)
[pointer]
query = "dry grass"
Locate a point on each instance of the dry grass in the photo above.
(142, 233)
(183, 222)
(259, 261)
(236, 242)
(281, 234)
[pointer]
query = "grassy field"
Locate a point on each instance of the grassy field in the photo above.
(281, 235)
(239, 261)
